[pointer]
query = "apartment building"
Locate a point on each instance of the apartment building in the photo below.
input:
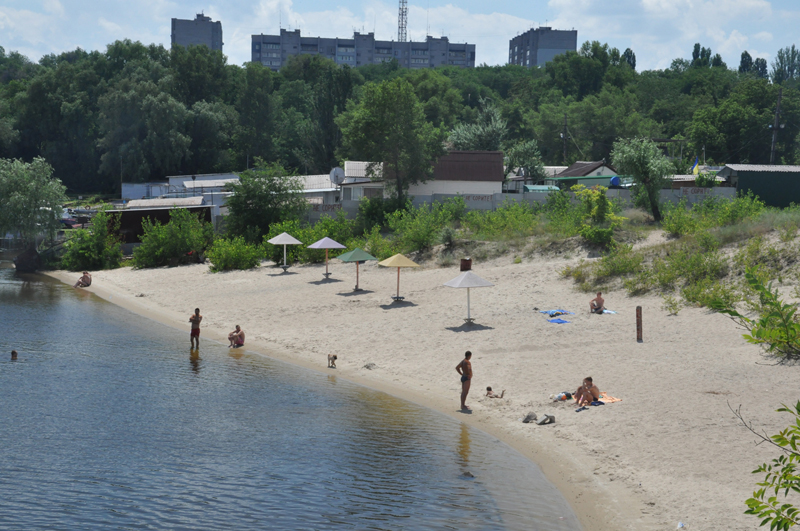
(199, 31)
(537, 46)
(274, 51)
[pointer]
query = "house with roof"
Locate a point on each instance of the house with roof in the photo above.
(776, 185)
(473, 173)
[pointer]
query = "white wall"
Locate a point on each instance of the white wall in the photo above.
(456, 187)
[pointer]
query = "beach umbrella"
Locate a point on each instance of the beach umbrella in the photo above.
(468, 280)
(326, 243)
(356, 255)
(398, 261)
(284, 239)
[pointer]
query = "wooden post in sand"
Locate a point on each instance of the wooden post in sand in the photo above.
(639, 324)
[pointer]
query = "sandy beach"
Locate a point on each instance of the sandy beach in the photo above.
(671, 451)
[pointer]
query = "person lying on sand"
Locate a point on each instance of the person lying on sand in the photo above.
(85, 281)
(236, 338)
(492, 394)
(587, 393)
(597, 305)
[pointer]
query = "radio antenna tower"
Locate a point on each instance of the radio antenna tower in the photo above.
(402, 21)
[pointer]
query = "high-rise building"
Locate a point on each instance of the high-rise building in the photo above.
(275, 50)
(196, 32)
(537, 46)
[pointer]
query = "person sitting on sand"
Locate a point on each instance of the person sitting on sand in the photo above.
(597, 305)
(492, 394)
(85, 281)
(236, 338)
(587, 393)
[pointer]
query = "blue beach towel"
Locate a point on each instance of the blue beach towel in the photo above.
(553, 313)
(609, 311)
(557, 321)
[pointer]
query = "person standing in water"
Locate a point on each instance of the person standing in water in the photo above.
(13, 355)
(194, 335)
(464, 368)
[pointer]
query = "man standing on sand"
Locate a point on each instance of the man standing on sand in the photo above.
(194, 335)
(464, 368)
(597, 305)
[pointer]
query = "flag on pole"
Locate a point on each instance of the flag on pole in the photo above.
(696, 167)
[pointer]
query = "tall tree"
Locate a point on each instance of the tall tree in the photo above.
(629, 57)
(256, 113)
(786, 65)
(745, 63)
(760, 68)
(485, 134)
(30, 199)
(263, 195)
(388, 125)
(641, 159)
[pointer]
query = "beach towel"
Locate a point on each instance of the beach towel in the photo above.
(558, 321)
(610, 311)
(555, 313)
(609, 399)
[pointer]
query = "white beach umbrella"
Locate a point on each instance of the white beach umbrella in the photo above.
(284, 239)
(468, 280)
(326, 243)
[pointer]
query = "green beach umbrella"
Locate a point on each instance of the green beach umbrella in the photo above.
(356, 255)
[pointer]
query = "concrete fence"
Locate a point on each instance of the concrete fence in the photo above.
(494, 201)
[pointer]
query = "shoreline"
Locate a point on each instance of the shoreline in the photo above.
(560, 472)
(670, 451)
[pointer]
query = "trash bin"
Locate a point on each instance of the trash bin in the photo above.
(466, 264)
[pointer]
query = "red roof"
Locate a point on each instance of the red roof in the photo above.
(470, 166)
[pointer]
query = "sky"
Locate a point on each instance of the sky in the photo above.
(658, 31)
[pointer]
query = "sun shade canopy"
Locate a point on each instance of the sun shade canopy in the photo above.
(398, 260)
(468, 279)
(284, 239)
(326, 243)
(356, 255)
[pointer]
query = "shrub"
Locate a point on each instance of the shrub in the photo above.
(597, 235)
(372, 212)
(512, 219)
(416, 229)
(94, 249)
(377, 245)
(678, 221)
(180, 241)
(671, 305)
(564, 217)
(236, 253)
(621, 261)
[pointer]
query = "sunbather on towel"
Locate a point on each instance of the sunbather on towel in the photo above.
(587, 392)
(596, 305)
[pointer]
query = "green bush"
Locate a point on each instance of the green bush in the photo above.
(236, 253)
(98, 248)
(377, 245)
(620, 262)
(417, 229)
(183, 240)
(512, 219)
(564, 216)
(597, 235)
(678, 220)
(372, 212)
(293, 252)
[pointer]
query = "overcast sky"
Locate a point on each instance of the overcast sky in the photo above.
(657, 30)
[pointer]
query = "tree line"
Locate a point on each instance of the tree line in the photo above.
(136, 113)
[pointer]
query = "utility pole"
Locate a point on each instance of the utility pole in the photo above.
(564, 138)
(775, 126)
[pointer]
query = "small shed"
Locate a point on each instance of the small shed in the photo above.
(130, 219)
(776, 185)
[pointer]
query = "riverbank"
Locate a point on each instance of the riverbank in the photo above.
(671, 451)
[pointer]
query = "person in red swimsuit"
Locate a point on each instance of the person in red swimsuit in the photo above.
(194, 335)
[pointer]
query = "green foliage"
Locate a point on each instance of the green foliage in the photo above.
(486, 133)
(671, 305)
(30, 199)
(564, 217)
(377, 245)
(97, 248)
(372, 212)
(235, 253)
(770, 502)
(417, 229)
(622, 260)
(262, 197)
(407, 144)
(706, 180)
(713, 212)
(776, 327)
(642, 159)
(512, 219)
(183, 240)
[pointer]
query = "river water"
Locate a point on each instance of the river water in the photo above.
(108, 421)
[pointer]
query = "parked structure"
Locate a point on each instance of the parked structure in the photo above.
(537, 46)
(275, 50)
(196, 32)
(776, 185)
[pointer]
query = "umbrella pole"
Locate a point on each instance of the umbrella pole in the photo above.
(284, 254)
(398, 283)
(326, 264)
(356, 276)
(468, 314)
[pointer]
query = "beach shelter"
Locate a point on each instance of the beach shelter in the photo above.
(398, 261)
(356, 255)
(284, 239)
(326, 243)
(468, 280)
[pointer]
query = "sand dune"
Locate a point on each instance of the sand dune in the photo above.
(670, 451)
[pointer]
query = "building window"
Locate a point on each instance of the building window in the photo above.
(271, 54)
(256, 46)
(272, 46)
(419, 61)
(308, 47)
(346, 49)
(346, 58)
(419, 52)
(386, 51)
